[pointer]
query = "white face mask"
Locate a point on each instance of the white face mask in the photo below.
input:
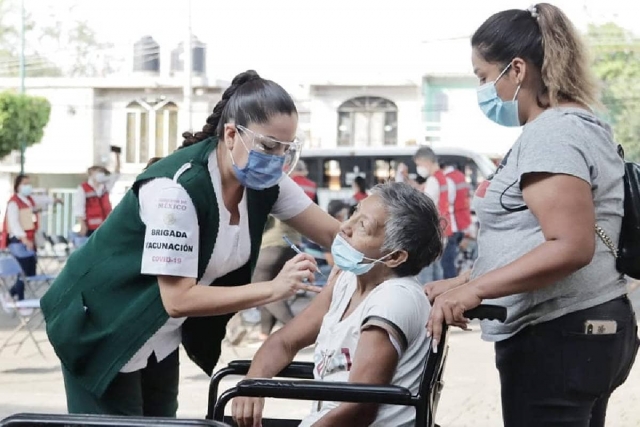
(100, 177)
(422, 171)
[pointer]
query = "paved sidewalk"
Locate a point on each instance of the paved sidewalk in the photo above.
(29, 383)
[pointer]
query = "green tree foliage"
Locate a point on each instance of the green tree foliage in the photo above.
(22, 117)
(616, 53)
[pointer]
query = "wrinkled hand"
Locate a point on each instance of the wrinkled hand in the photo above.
(439, 287)
(247, 411)
(449, 308)
(296, 275)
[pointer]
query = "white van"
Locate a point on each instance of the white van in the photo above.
(334, 169)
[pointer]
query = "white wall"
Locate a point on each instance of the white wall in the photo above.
(325, 101)
(113, 121)
(465, 126)
(67, 144)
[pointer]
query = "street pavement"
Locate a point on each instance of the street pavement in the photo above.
(31, 383)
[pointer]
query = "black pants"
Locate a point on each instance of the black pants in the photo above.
(553, 374)
(149, 392)
(270, 262)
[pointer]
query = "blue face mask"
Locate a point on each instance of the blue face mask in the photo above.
(348, 258)
(261, 171)
(25, 190)
(504, 113)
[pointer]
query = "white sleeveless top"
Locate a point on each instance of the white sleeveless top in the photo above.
(400, 303)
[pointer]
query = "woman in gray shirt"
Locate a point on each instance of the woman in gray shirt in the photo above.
(571, 335)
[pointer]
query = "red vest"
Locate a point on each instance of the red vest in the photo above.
(309, 187)
(459, 212)
(31, 234)
(97, 208)
(443, 201)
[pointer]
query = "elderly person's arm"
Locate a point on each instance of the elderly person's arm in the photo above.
(375, 362)
(316, 224)
(279, 350)
(393, 321)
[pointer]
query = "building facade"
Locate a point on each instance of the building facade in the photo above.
(143, 115)
(364, 115)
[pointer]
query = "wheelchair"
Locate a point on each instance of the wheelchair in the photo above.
(51, 420)
(425, 401)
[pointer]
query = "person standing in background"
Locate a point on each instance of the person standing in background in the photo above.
(91, 204)
(299, 176)
(436, 187)
(459, 218)
(275, 252)
(20, 228)
(360, 188)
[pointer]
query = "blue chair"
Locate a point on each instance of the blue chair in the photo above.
(27, 310)
(11, 266)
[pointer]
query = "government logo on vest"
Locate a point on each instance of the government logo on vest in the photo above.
(169, 246)
(169, 233)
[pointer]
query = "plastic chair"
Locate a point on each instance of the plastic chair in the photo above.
(27, 310)
(425, 401)
(45, 420)
(10, 268)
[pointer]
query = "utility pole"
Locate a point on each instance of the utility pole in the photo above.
(188, 69)
(22, 77)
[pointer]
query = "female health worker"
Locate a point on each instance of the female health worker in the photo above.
(125, 301)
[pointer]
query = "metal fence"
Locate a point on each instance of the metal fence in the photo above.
(58, 219)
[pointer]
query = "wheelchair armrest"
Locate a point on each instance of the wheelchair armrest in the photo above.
(315, 390)
(322, 390)
(299, 370)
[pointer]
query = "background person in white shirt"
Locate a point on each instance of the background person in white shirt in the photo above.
(91, 204)
(368, 323)
(437, 188)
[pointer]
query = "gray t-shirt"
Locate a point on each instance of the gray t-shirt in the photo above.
(567, 141)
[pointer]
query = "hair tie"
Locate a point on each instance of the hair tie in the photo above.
(533, 10)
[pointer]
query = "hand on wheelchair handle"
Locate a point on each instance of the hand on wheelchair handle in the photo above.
(247, 411)
(434, 289)
(449, 308)
(297, 274)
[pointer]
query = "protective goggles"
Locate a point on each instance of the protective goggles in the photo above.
(267, 145)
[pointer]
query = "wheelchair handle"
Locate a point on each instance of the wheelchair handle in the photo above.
(487, 312)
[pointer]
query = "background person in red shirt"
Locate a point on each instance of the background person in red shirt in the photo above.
(437, 188)
(360, 188)
(91, 204)
(299, 176)
(459, 218)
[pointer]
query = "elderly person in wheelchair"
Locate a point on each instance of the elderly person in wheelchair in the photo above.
(368, 323)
